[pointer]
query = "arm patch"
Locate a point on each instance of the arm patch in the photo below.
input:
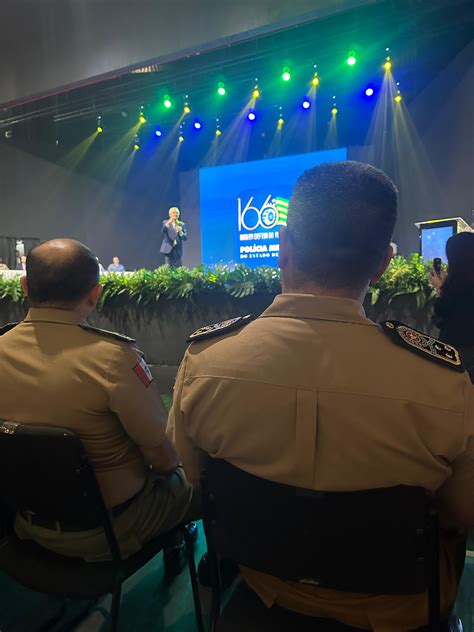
(108, 334)
(423, 344)
(217, 329)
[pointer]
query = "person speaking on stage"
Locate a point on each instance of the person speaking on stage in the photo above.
(174, 233)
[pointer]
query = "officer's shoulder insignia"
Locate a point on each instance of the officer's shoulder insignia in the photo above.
(217, 329)
(7, 327)
(423, 344)
(108, 334)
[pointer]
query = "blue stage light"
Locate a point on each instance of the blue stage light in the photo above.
(251, 115)
(197, 124)
(158, 132)
(369, 91)
(306, 104)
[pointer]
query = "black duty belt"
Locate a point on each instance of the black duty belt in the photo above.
(85, 525)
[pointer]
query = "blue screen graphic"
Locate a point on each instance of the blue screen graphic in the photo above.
(433, 242)
(243, 205)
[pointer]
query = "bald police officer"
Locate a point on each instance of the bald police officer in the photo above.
(314, 394)
(58, 371)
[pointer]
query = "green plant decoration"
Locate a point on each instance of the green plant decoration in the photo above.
(144, 287)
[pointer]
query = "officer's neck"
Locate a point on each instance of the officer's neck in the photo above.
(292, 285)
(81, 310)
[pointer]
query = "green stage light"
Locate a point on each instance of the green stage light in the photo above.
(221, 88)
(351, 59)
(167, 101)
(286, 75)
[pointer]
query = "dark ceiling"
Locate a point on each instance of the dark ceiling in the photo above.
(423, 37)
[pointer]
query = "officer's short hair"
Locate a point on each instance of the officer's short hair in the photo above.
(341, 218)
(60, 271)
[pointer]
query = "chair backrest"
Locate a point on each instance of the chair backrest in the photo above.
(379, 540)
(45, 471)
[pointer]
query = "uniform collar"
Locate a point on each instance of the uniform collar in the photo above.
(343, 310)
(50, 315)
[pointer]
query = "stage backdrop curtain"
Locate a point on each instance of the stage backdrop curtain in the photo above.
(29, 243)
(7, 251)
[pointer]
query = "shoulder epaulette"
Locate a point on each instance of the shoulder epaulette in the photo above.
(108, 334)
(217, 329)
(7, 327)
(423, 344)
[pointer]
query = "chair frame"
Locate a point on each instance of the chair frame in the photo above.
(86, 473)
(211, 527)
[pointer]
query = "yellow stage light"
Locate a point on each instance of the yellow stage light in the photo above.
(281, 120)
(187, 108)
(334, 111)
(100, 129)
(398, 98)
(387, 65)
(181, 138)
(315, 80)
(136, 146)
(142, 119)
(256, 93)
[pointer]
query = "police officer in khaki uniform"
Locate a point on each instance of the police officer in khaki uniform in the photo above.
(314, 394)
(58, 371)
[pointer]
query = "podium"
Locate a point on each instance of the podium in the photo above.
(434, 233)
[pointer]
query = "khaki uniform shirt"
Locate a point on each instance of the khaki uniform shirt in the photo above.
(314, 394)
(56, 373)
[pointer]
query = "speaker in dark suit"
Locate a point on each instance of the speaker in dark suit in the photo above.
(174, 233)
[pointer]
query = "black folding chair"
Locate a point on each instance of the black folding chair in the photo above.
(45, 471)
(382, 541)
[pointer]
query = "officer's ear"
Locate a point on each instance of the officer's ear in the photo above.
(384, 265)
(285, 246)
(24, 284)
(95, 294)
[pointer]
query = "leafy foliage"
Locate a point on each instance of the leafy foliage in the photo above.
(145, 287)
(404, 276)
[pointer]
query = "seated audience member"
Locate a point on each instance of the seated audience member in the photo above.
(3, 265)
(22, 264)
(454, 307)
(116, 266)
(59, 371)
(314, 394)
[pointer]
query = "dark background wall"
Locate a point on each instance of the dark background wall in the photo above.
(46, 44)
(41, 199)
